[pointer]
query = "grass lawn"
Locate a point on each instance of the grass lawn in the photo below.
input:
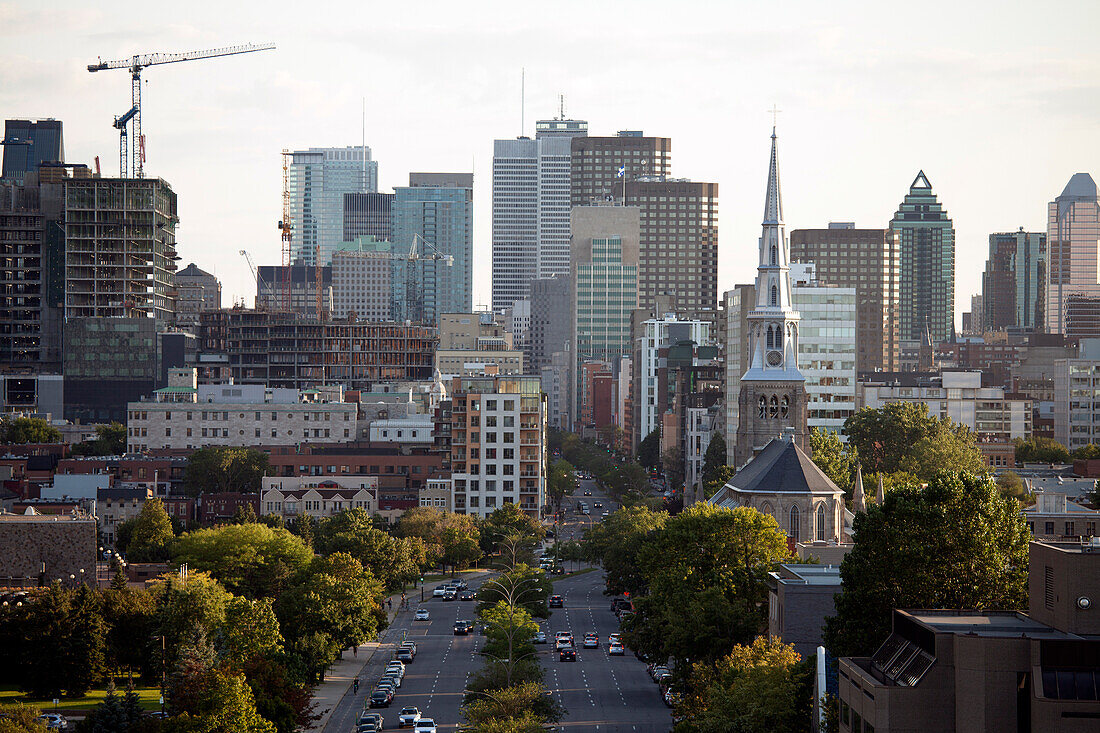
(148, 696)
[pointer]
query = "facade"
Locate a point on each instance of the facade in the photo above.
(43, 548)
(678, 254)
(28, 144)
(1073, 229)
(1053, 517)
(108, 362)
(498, 444)
(318, 179)
(437, 493)
(966, 671)
(800, 598)
(271, 289)
(368, 215)
(554, 376)
(116, 505)
(473, 332)
(199, 291)
(772, 392)
(927, 242)
(531, 208)
(605, 286)
(362, 280)
(1014, 282)
(433, 216)
(318, 498)
(489, 362)
(551, 301)
(868, 260)
(518, 318)
(1077, 396)
(651, 359)
(120, 249)
(596, 162)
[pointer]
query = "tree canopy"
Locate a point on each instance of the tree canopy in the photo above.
(150, 534)
(832, 457)
(110, 440)
(560, 482)
(958, 543)
(714, 459)
(253, 560)
(28, 430)
(449, 538)
(615, 543)
(1040, 450)
(392, 560)
(225, 468)
(649, 450)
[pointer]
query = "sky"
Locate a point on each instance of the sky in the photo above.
(998, 103)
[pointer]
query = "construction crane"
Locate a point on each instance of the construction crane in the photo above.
(255, 275)
(286, 229)
(120, 125)
(413, 297)
(140, 61)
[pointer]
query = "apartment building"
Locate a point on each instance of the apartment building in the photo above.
(1077, 397)
(319, 498)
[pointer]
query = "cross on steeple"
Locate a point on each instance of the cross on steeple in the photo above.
(775, 115)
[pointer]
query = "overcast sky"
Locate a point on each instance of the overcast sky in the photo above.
(998, 102)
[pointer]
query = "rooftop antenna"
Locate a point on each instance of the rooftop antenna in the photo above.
(364, 118)
(561, 106)
(522, 100)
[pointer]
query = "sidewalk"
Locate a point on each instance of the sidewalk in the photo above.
(339, 677)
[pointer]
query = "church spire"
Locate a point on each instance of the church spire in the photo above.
(773, 203)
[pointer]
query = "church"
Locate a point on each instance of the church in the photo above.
(772, 445)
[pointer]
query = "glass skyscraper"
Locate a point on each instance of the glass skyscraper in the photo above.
(28, 143)
(319, 178)
(1073, 244)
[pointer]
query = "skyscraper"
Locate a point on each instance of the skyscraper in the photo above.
(550, 306)
(927, 240)
(319, 178)
(601, 166)
(531, 188)
(868, 260)
(368, 215)
(28, 143)
(772, 395)
(434, 216)
(1073, 241)
(1014, 281)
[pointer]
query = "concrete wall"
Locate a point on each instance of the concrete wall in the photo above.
(65, 545)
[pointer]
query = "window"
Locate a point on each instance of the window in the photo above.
(794, 522)
(774, 257)
(819, 522)
(775, 295)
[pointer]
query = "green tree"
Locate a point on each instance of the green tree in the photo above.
(955, 544)
(508, 629)
(1011, 485)
(903, 436)
(832, 457)
(114, 715)
(250, 631)
(224, 703)
(1040, 450)
(522, 707)
(304, 528)
(151, 533)
(1090, 452)
(62, 635)
(184, 610)
(130, 617)
(522, 586)
(672, 465)
(253, 560)
(449, 538)
(20, 718)
(225, 468)
(615, 543)
(719, 478)
(714, 459)
(110, 440)
(949, 447)
(28, 430)
(649, 450)
(560, 482)
(510, 524)
(762, 686)
(392, 560)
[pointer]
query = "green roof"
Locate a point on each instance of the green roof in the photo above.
(175, 390)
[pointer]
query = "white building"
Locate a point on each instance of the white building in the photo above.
(362, 281)
(657, 334)
(1077, 397)
(319, 497)
(519, 322)
(701, 425)
(412, 430)
(555, 383)
(319, 178)
(189, 415)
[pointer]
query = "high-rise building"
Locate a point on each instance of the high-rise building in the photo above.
(28, 144)
(651, 387)
(601, 166)
(868, 260)
(1014, 282)
(531, 190)
(551, 303)
(433, 215)
(199, 291)
(368, 215)
(927, 241)
(1073, 231)
(772, 392)
(1076, 394)
(605, 284)
(272, 289)
(679, 248)
(362, 280)
(319, 178)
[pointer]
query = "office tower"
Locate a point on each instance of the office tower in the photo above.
(605, 285)
(32, 282)
(927, 240)
(1073, 231)
(362, 280)
(199, 291)
(772, 396)
(29, 143)
(434, 216)
(531, 208)
(551, 303)
(679, 250)
(498, 444)
(368, 215)
(319, 178)
(1014, 283)
(271, 289)
(651, 380)
(601, 166)
(868, 260)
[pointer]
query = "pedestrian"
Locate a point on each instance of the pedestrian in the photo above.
(389, 603)
(355, 686)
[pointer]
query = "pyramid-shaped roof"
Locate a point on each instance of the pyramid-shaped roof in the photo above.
(921, 181)
(781, 468)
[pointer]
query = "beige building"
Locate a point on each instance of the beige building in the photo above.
(437, 493)
(1054, 517)
(47, 547)
(476, 344)
(320, 497)
(115, 506)
(486, 362)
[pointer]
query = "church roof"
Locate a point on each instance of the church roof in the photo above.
(193, 270)
(782, 467)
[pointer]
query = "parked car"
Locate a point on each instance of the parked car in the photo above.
(53, 721)
(408, 717)
(557, 602)
(396, 668)
(567, 654)
(425, 725)
(422, 614)
(405, 655)
(370, 717)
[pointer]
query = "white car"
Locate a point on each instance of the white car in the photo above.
(422, 614)
(440, 591)
(425, 725)
(408, 717)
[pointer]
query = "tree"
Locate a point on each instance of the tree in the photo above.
(615, 542)
(114, 715)
(20, 718)
(649, 450)
(955, 544)
(510, 522)
(151, 533)
(449, 538)
(672, 464)
(948, 447)
(224, 468)
(28, 430)
(522, 586)
(719, 478)
(903, 436)
(832, 457)
(130, 617)
(392, 560)
(110, 440)
(1090, 452)
(759, 686)
(1040, 450)
(62, 636)
(509, 629)
(714, 458)
(253, 560)
(186, 610)
(1011, 485)
(520, 707)
(224, 703)
(250, 631)
(561, 481)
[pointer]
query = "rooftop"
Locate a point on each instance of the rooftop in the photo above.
(782, 467)
(986, 623)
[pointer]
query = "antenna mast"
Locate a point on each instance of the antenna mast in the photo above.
(522, 100)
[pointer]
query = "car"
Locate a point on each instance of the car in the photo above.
(368, 727)
(405, 655)
(539, 637)
(564, 635)
(615, 638)
(53, 721)
(467, 595)
(557, 602)
(380, 699)
(591, 640)
(567, 654)
(387, 685)
(616, 649)
(597, 505)
(425, 725)
(407, 717)
(410, 645)
(562, 644)
(440, 591)
(463, 628)
(368, 718)
(588, 493)
(396, 666)
(586, 511)
(392, 676)
(422, 614)
(460, 584)
(450, 594)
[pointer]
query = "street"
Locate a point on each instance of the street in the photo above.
(598, 691)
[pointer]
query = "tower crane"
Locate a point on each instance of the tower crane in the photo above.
(414, 301)
(140, 61)
(255, 273)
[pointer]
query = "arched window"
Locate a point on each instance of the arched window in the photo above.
(763, 406)
(794, 528)
(774, 411)
(771, 337)
(819, 522)
(766, 508)
(775, 295)
(784, 406)
(775, 256)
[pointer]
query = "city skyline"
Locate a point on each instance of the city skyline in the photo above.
(998, 117)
